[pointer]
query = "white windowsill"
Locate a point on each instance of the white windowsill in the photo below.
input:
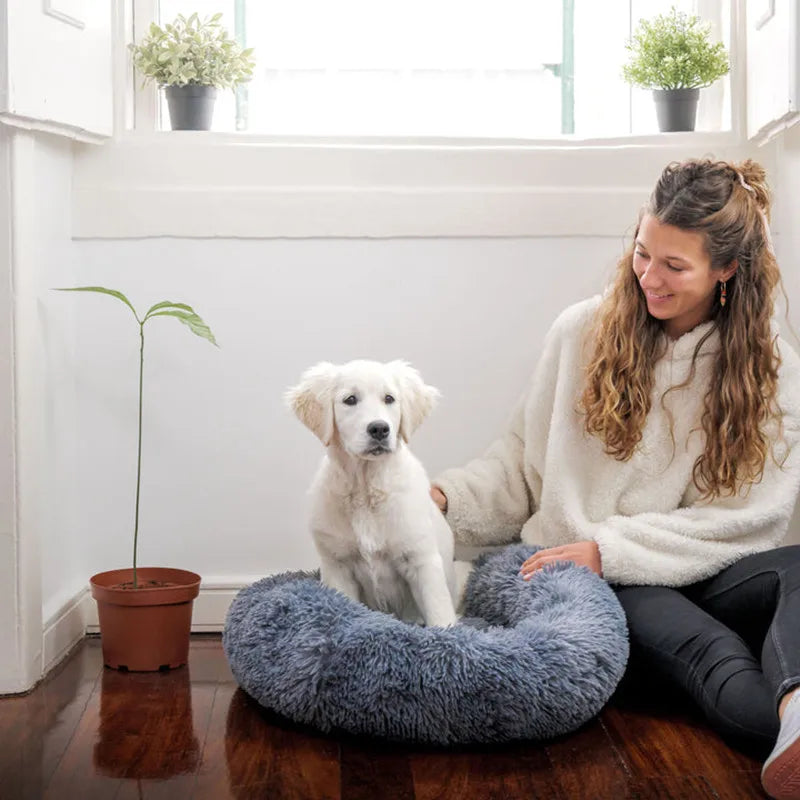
(665, 140)
(197, 184)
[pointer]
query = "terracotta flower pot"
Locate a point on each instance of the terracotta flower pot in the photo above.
(147, 628)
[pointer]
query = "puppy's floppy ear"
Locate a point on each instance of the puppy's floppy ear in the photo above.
(312, 399)
(416, 398)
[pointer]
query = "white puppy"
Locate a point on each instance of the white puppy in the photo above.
(380, 537)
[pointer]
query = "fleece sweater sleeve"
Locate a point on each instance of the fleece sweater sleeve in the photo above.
(693, 543)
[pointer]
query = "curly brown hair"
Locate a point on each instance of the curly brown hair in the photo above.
(730, 205)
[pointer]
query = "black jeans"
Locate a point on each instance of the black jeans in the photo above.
(731, 641)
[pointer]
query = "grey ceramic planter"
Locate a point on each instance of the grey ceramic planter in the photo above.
(676, 109)
(191, 107)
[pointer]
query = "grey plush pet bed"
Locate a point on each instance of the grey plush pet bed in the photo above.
(532, 660)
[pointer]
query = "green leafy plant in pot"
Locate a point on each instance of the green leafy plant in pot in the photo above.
(673, 55)
(190, 59)
(146, 612)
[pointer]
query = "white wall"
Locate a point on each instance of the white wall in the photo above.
(226, 466)
(786, 190)
(786, 200)
(37, 423)
(48, 344)
(10, 657)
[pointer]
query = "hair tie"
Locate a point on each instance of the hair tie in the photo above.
(744, 183)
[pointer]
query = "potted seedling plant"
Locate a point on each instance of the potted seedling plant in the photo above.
(673, 55)
(190, 59)
(145, 613)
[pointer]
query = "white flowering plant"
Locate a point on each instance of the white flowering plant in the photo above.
(194, 51)
(674, 51)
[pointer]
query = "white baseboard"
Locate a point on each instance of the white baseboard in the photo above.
(210, 606)
(65, 629)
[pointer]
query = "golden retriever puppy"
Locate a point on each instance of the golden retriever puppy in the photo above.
(380, 537)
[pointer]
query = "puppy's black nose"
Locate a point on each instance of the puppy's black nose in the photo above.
(378, 430)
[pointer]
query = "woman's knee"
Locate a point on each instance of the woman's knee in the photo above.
(785, 561)
(789, 556)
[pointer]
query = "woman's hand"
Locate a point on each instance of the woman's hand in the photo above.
(439, 498)
(584, 554)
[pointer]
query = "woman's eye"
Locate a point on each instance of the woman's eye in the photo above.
(388, 399)
(674, 269)
(351, 400)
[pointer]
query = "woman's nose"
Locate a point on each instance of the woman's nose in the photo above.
(647, 278)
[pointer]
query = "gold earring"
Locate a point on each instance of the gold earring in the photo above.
(723, 293)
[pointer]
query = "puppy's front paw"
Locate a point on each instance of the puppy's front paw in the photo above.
(445, 620)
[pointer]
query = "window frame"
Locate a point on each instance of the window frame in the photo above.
(240, 184)
(145, 101)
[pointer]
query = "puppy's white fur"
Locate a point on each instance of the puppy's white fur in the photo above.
(380, 537)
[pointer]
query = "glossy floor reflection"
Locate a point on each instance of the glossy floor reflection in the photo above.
(90, 732)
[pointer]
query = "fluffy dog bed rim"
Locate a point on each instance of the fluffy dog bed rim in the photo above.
(535, 659)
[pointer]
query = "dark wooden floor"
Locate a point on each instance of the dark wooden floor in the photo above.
(90, 732)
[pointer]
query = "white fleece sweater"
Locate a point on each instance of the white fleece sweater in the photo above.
(549, 483)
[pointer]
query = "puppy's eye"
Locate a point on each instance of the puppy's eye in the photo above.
(351, 400)
(388, 399)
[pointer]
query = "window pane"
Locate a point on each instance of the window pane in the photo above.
(456, 68)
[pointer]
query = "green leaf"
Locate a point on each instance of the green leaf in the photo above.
(168, 304)
(192, 321)
(101, 290)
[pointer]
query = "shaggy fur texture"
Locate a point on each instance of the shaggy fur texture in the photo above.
(550, 654)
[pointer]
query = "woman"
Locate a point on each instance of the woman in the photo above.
(659, 445)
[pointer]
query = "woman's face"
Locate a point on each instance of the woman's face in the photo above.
(674, 272)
